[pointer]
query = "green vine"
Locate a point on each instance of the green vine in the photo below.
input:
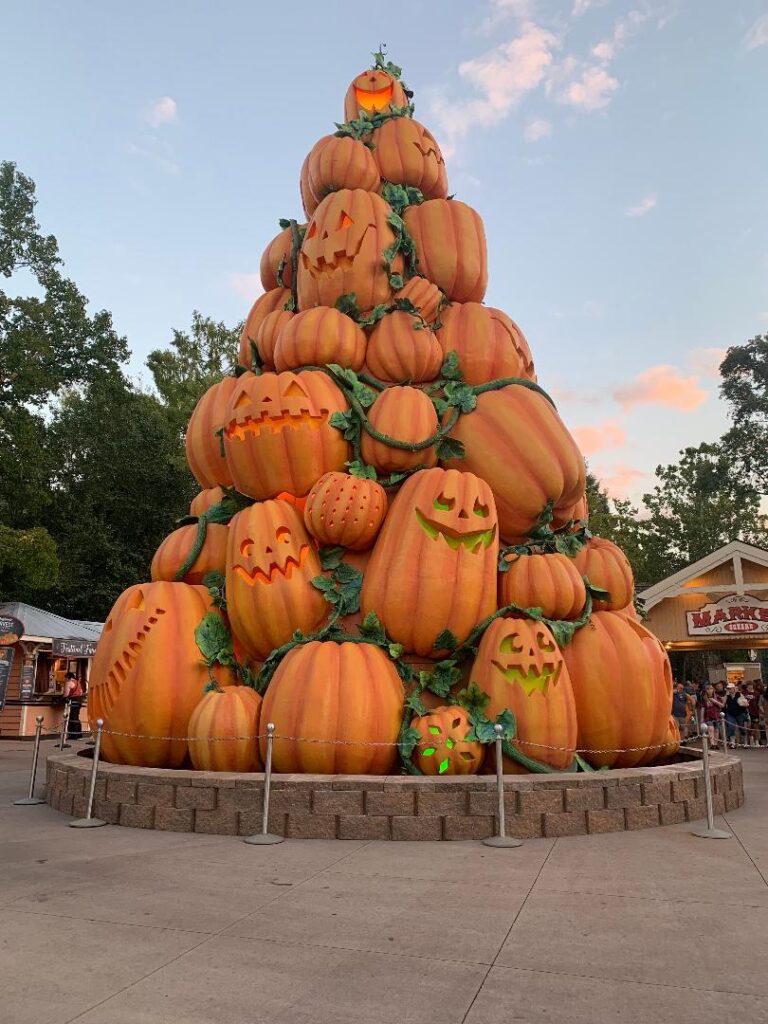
(229, 506)
(297, 237)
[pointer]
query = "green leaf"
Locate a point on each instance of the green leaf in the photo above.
(212, 637)
(460, 395)
(347, 423)
(347, 304)
(360, 469)
(473, 699)
(408, 741)
(396, 282)
(395, 650)
(445, 641)
(330, 558)
(415, 703)
(326, 586)
(598, 593)
(442, 678)
(568, 544)
(372, 628)
(451, 369)
(449, 448)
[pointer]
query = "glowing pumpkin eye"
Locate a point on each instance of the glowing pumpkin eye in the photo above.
(443, 504)
(346, 221)
(545, 644)
(510, 645)
(246, 546)
(312, 230)
(480, 510)
(283, 535)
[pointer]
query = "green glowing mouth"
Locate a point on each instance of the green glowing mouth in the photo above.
(472, 541)
(533, 679)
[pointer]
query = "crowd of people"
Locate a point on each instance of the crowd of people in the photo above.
(697, 706)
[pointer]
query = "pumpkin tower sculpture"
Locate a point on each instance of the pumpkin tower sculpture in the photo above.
(390, 553)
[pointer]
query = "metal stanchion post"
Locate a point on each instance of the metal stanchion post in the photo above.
(708, 832)
(265, 838)
(501, 838)
(31, 800)
(65, 726)
(723, 731)
(88, 821)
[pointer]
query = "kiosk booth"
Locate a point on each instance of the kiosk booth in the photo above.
(37, 650)
(717, 604)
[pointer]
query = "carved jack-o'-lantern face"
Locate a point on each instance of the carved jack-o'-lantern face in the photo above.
(334, 238)
(461, 517)
(131, 622)
(529, 656)
(263, 563)
(375, 90)
(273, 405)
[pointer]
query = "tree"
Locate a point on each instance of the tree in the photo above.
(745, 388)
(618, 520)
(28, 562)
(196, 359)
(118, 488)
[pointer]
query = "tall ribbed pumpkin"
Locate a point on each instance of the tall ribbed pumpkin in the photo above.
(147, 674)
(319, 336)
(219, 728)
(520, 667)
(488, 343)
(334, 163)
(277, 254)
(548, 581)
(271, 563)
(406, 153)
(373, 90)
(202, 442)
(401, 350)
(623, 687)
(345, 510)
(267, 334)
(336, 698)
(267, 303)
(516, 441)
(343, 251)
(404, 414)
(433, 566)
(607, 566)
(278, 435)
(450, 244)
(173, 552)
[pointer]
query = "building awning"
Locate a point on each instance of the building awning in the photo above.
(43, 625)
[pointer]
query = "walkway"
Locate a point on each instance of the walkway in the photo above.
(122, 926)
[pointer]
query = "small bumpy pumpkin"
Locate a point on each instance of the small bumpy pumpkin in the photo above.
(345, 510)
(173, 552)
(373, 90)
(489, 345)
(450, 244)
(606, 566)
(444, 748)
(320, 336)
(337, 709)
(334, 163)
(401, 350)
(267, 303)
(202, 443)
(548, 581)
(219, 728)
(406, 415)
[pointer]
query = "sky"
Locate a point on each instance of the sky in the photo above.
(616, 152)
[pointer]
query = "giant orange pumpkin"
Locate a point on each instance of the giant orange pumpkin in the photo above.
(278, 436)
(433, 566)
(371, 91)
(320, 336)
(173, 552)
(548, 581)
(267, 303)
(406, 153)
(148, 674)
(277, 254)
(205, 499)
(407, 415)
(343, 249)
(443, 748)
(345, 510)
(271, 563)
(488, 344)
(334, 163)
(219, 731)
(520, 667)
(267, 334)
(516, 441)
(450, 244)
(401, 349)
(336, 708)
(623, 689)
(606, 566)
(672, 745)
(424, 296)
(203, 443)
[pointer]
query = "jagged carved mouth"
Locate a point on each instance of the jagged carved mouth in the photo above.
(266, 424)
(532, 680)
(127, 659)
(274, 570)
(319, 266)
(429, 151)
(472, 541)
(374, 99)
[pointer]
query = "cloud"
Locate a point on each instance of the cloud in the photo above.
(623, 29)
(537, 129)
(644, 206)
(588, 88)
(156, 151)
(662, 385)
(619, 480)
(757, 34)
(249, 286)
(161, 111)
(706, 361)
(591, 439)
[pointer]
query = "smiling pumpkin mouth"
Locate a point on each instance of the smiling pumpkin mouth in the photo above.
(126, 661)
(320, 266)
(374, 99)
(472, 541)
(258, 575)
(531, 680)
(274, 424)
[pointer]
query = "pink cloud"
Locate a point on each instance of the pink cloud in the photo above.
(591, 439)
(249, 286)
(662, 385)
(644, 206)
(706, 361)
(161, 111)
(537, 129)
(620, 480)
(757, 34)
(591, 90)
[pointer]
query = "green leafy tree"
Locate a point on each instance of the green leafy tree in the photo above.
(28, 562)
(745, 387)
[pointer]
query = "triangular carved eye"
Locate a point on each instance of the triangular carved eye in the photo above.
(294, 390)
(312, 230)
(346, 221)
(136, 601)
(243, 399)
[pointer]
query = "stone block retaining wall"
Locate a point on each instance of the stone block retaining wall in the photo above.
(394, 807)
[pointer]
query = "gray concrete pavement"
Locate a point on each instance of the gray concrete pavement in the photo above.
(123, 926)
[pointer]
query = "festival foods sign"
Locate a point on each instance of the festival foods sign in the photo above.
(732, 614)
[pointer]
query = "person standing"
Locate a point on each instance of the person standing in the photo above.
(74, 693)
(735, 714)
(680, 709)
(711, 706)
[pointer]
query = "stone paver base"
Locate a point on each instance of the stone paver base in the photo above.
(395, 807)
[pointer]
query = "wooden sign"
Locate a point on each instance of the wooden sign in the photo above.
(6, 664)
(11, 630)
(74, 648)
(27, 682)
(730, 616)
